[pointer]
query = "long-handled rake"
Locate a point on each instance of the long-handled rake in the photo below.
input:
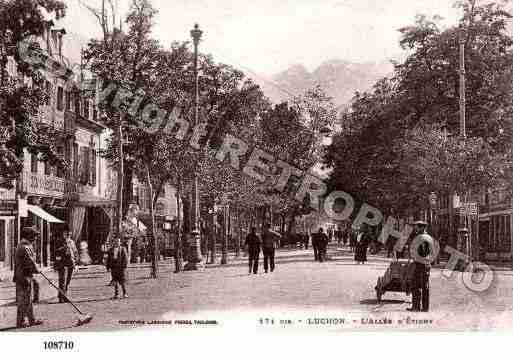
(84, 318)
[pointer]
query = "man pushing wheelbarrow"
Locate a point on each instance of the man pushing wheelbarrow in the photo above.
(412, 275)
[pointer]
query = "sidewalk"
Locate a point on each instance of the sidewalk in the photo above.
(46, 291)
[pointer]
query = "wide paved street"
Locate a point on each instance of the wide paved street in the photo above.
(301, 294)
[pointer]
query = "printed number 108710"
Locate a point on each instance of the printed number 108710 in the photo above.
(58, 345)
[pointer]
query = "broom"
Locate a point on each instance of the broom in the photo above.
(83, 318)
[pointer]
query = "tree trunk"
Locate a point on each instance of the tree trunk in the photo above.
(292, 224)
(224, 248)
(128, 192)
(239, 232)
(213, 234)
(153, 240)
(178, 244)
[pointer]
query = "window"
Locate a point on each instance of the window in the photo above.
(84, 159)
(68, 101)
(86, 108)
(33, 163)
(48, 169)
(59, 172)
(92, 169)
(76, 160)
(500, 234)
(76, 96)
(60, 98)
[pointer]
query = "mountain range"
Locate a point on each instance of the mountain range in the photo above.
(338, 78)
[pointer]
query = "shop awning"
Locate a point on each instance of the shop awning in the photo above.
(41, 213)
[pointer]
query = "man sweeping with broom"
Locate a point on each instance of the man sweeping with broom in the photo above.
(24, 269)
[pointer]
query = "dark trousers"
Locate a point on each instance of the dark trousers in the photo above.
(24, 302)
(322, 252)
(420, 290)
(118, 283)
(315, 246)
(35, 289)
(268, 258)
(65, 274)
(253, 260)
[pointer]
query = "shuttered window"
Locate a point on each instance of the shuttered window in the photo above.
(33, 163)
(60, 99)
(68, 101)
(76, 161)
(48, 169)
(76, 96)
(59, 171)
(92, 172)
(86, 108)
(84, 159)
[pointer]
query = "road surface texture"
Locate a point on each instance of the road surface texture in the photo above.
(300, 295)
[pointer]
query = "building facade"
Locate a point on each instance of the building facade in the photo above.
(79, 198)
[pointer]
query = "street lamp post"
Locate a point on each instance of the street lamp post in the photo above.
(195, 261)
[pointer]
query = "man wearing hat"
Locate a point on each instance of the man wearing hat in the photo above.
(24, 269)
(65, 259)
(420, 285)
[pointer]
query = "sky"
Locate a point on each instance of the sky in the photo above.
(268, 36)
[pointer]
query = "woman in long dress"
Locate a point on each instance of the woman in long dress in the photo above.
(362, 244)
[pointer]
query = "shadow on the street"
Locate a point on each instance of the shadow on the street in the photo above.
(7, 329)
(98, 300)
(383, 301)
(238, 275)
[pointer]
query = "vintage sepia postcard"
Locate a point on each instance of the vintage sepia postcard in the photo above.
(278, 166)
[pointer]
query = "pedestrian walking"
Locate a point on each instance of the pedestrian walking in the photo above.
(353, 239)
(338, 235)
(269, 242)
(362, 243)
(420, 286)
(117, 263)
(253, 244)
(66, 255)
(306, 239)
(315, 244)
(24, 269)
(322, 244)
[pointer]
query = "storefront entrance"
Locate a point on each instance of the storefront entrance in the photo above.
(6, 236)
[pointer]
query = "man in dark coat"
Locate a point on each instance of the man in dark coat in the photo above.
(322, 244)
(362, 243)
(315, 245)
(269, 241)
(253, 244)
(65, 259)
(420, 285)
(117, 263)
(24, 269)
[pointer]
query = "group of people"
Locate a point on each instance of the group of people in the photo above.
(266, 243)
(66, 258)
(320, 244)
(141, 251)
